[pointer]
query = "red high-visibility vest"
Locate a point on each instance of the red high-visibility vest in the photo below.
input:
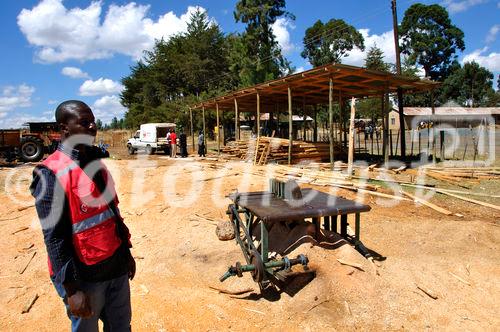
(95, 236)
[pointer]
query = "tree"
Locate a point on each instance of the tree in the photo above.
(372, 107)
(375, 59)
(430, 39)
(188, 66)
(98, 124)
(114, 123)
(330, 42)
(470, 85)
(258, 44)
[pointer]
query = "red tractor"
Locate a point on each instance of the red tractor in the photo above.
(30, 143)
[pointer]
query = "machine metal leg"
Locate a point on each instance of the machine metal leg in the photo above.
(334, 223)
(317, 226)
(343, 225)
(357, 227)
(326, 223)
(264, 249)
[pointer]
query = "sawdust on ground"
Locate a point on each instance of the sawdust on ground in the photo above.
(179, 256)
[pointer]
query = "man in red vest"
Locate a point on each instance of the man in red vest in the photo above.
(87, 242)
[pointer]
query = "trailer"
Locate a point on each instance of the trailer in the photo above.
(30, 143)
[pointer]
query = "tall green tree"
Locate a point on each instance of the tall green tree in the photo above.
(184, 68)
(258, 44)
(375, 59)
(470, 85)
(98, 124)
(430, 39)
(330, 42)
(371, 108)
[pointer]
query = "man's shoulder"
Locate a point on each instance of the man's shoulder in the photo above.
(42, 176)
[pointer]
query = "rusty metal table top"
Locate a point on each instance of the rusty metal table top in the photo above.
(314, 204)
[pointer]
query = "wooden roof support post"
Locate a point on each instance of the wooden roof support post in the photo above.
(304, 118)
(290, 125)
(339, 123)
(315, 131)
(218, 128)
(385, 120)
(257, 118)
(204, 131)
(433, 138)
(330, 120)
(192, 128)
(350, 157)
(236, 121)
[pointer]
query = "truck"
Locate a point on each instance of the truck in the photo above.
(29, 143)
(151, 137)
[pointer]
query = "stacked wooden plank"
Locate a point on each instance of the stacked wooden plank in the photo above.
(270, 149)
(463, 173)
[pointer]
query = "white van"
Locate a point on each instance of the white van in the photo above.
(151, 137)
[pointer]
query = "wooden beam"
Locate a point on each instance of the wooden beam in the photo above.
(236, 121)
(257, 118)
(432, 129)
(204, 129)
(192, 128)
(218, 128)
(350, 157)
(330, 120)
(290, 126)
(427, 203)
(315, 133)
(385, 136)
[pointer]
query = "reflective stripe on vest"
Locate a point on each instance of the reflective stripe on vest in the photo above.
(92, 221)
(65, 170)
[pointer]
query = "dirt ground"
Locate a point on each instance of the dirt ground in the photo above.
(172, 207)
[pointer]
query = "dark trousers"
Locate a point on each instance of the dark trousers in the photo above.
(109, 301)
(201, 150)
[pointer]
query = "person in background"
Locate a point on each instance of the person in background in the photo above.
(201, 144)
(183, 144)
(173, 144)
(88, 244)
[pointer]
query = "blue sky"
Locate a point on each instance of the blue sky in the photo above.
(55, 50)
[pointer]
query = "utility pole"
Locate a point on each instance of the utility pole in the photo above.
(398, 68)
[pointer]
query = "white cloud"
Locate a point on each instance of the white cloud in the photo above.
(52, 102)
(17, 120)
(102, 86)
(60, 34)
(492, 34)
(385, 42)
(74, 72)
(280, 31)
(490, 61)
(107, 107)
(299, 69)
(456, 6)
(16, 96)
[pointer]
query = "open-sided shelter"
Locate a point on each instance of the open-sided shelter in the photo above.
(318, 86)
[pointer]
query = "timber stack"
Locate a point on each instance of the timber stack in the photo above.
(270, 149)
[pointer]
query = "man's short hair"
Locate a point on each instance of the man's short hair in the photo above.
(66, 109)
